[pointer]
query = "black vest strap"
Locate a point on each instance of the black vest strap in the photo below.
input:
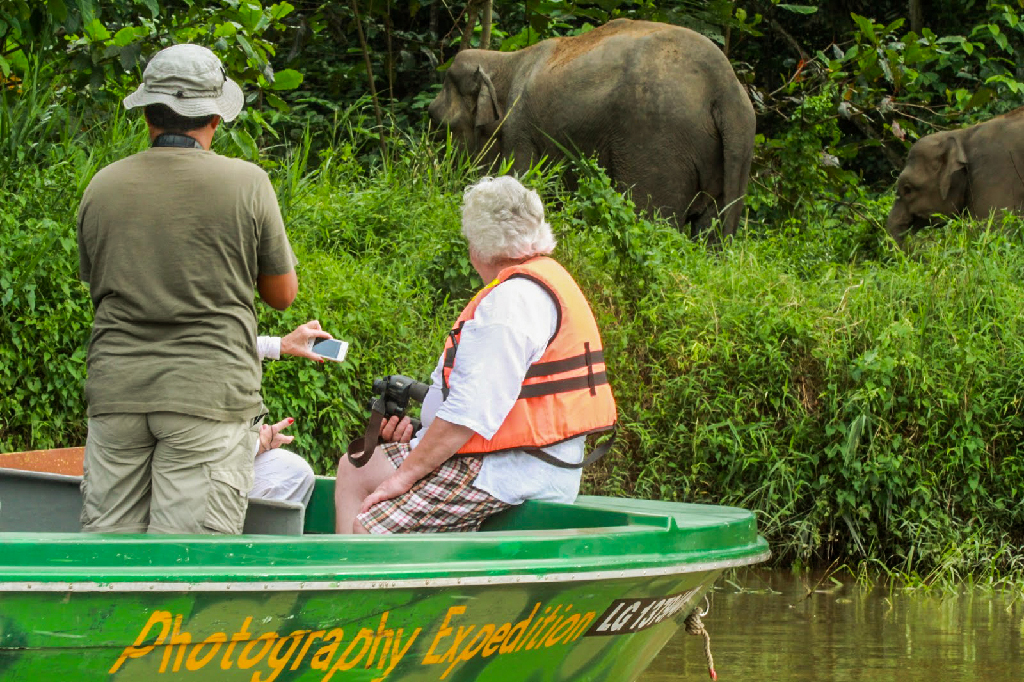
(543, 369)
(595, 454)
(589, 381)
(590, 369)
(449, 359)
(176, 140)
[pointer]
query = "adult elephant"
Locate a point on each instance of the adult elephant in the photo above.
(972, 171)
(659, 106)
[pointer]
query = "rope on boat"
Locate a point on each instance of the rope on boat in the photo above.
(695, 626)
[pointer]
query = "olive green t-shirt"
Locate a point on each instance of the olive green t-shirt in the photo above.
(171, 241)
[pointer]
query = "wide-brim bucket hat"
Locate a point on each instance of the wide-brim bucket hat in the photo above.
(191, 80)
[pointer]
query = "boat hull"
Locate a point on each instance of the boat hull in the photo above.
(607, 629)
(543, 593)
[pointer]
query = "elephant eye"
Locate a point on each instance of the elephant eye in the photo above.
(906, 189)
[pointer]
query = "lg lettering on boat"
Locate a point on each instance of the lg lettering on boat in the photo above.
(632, 615)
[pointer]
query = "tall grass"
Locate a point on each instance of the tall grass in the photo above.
(866, 403)
(868, 411)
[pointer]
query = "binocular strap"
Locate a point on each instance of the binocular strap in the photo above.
(367, 443)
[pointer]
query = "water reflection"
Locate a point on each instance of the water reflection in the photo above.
(765, 626)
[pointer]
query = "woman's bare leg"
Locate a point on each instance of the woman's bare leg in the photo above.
(352, 486)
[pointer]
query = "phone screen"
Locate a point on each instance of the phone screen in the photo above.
(331, 349)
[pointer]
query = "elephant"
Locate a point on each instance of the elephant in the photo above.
(973, 171)
(658, 105)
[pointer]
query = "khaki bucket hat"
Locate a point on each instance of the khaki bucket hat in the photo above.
(190, 80)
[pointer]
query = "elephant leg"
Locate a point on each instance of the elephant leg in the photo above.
(662, 187)
(689, 210)
(701, 216)
(673, 181)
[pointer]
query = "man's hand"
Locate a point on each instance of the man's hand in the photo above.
(397, 484)
(440, 441)
(396, 430)
(297, 342)
(271, 437)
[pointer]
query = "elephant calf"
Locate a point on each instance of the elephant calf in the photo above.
(659, 106)
(972, 171)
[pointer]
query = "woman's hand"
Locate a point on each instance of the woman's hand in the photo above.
(271, 436)
(298, 341)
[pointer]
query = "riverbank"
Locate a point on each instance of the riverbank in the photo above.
(865, 403)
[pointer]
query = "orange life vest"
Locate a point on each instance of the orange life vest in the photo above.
(565, 393)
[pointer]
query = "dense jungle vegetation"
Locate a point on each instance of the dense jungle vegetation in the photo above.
(867, 402)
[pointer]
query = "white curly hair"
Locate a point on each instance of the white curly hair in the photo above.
(502, 220)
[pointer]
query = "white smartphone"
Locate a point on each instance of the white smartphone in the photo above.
(331, 349)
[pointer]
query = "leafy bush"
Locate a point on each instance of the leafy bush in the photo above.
(45, 317)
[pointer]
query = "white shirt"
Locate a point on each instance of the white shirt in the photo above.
(268, 347)
(509, 331)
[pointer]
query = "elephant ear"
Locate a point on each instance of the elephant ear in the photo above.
(488, 109)
(955, 161)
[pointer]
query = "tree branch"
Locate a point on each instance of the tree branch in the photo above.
(369, 76)
(864, 125)
(485, 25)
(467, 32)
(916, 13)
(777, 27)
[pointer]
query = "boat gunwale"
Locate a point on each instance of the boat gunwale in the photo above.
(539, 556)
(397, 583)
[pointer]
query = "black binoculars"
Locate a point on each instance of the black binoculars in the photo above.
(394, 393)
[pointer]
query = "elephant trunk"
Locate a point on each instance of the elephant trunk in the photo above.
(899, 222)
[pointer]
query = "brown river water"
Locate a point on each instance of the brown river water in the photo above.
(765, 626)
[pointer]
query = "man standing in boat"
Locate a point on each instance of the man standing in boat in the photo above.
(519, 386)
(171, 241)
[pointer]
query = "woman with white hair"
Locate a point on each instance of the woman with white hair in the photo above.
(520, 384)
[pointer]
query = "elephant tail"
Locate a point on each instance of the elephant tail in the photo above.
(736, 123)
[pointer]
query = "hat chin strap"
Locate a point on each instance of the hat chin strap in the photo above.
(176, 140)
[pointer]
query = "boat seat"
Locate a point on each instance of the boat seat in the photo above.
(37, 501)
(273, 517)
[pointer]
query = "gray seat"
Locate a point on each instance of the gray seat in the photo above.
(41, 502)
(274, 517)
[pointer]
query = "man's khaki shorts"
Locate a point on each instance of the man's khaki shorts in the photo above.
(165, 472)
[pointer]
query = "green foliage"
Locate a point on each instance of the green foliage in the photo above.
(632, 249)
(95, 45)
(801, 168)
(865, 412)
(33, 116)
(45, 314)
(892, 74)
(541, 19)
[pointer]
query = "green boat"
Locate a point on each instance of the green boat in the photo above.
(588, 591)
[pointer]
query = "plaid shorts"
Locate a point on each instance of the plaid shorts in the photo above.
(443, 502)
